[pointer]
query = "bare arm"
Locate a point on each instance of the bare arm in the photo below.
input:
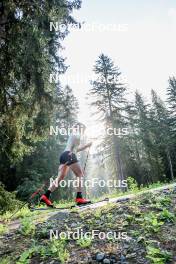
(84, 147)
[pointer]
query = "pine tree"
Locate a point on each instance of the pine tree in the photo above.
(42, 164)
(30, 52)
(171, 103)
(162, 132)
(132, 147)
(171, 93)
(149, 151)
(108, 94)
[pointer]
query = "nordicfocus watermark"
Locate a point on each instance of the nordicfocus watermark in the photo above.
(94, 182)
(77, 78)
(56, 130)
(70, 130)
(88, 27)
(93, 234)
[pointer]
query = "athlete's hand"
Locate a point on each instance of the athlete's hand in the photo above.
(89, 144)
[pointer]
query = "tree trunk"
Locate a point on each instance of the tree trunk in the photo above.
(170, 165)
(119, 165)
(119, 162)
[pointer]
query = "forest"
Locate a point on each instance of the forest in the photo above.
(30, 103)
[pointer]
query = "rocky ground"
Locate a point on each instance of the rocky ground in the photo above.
(145, 230)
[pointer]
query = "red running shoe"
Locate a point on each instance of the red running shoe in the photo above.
(81, 201)
(45, 200)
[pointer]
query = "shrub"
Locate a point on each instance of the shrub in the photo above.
(27, 227)
(84, 242)
(158, 256)
(132, 184)
(57, 249)
(5, 260)
(3, 229)
(8, 201)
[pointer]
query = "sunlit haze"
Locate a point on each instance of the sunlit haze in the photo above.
(139, 36)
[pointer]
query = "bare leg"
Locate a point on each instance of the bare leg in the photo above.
(77, 170)
(62, 172)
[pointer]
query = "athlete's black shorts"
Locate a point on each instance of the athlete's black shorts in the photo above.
(68, 158)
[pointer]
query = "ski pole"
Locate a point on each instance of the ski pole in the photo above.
(86, 160)
(33, 195)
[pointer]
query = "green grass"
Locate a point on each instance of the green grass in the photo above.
(158, 256)
(152, 223)
(84, 242)
(3, 229)
(25, 212)
(140, 190)
(22, 213)
(5, 260)
(64, 203)
(27, 227)
(167, 216)
(54, 248)
(57, 249)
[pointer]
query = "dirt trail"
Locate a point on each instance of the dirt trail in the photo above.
(64, 213)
